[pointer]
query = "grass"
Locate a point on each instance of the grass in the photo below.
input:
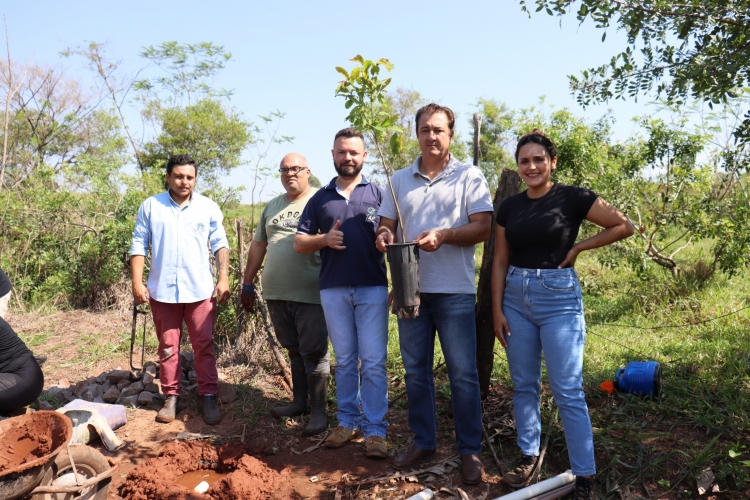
(702, 418)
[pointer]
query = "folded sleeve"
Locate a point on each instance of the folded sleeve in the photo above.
(142, 231)
(478, 197)
(217, 236)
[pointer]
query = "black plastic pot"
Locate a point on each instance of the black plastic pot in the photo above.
(404, 263)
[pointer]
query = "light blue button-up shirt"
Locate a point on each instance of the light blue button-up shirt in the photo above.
(180, 238)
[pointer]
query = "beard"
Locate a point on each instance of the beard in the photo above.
(348, 171)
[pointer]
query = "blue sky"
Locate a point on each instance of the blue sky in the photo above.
(285, 53)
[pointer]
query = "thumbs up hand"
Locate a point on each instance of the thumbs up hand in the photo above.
(335, 238)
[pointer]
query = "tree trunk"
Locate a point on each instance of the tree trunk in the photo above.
(510, 184)
(477, 131)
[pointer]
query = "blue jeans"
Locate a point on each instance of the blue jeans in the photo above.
(452, 315)
(357, 319)
(544, 309)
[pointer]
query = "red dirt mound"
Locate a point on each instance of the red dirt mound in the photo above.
(249, 478)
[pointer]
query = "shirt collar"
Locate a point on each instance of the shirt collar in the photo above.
(332, 184)
(190, 200)
(451, 167)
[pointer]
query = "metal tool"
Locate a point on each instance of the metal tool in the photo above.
(136, 312)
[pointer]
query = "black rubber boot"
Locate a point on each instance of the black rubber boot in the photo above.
(299, 396)
(211, 413)
(318, 398)
(168, 412)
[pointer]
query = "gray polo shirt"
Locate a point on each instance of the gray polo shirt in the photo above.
(445, 202)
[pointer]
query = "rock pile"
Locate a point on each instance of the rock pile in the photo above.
(128, 388)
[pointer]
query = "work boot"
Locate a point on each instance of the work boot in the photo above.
(584, 488)
(168, 412)
(375, 447)
(340, 436)
(318, 422)
(518, 477)
(211, 413)
(298, 405)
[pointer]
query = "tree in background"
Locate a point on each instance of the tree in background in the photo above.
(676, 50)
(496, 140)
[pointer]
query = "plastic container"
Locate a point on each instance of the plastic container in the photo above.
(403, 259)
(640, 377)
(115, 414)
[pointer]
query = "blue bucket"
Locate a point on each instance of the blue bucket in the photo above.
(639, 377)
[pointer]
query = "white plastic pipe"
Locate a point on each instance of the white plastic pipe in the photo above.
(422, 495)
(538, 488)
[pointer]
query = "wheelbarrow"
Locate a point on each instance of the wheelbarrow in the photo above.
(38, 461)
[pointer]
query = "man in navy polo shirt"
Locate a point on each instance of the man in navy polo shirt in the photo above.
(340, 221)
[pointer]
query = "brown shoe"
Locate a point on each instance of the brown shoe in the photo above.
(340, 436)
(518, 477)
(412, 457)
(376, 447)
(471, 468)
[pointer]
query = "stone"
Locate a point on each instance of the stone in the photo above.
(87, 396)
(132, 390)
(63, 383)
(101, 378)
(53, 390)
(116, 375)
(187, 360)
(136, 375)
(146, 398)
(147, 378)
(192, 377)
(44, 405)
(95, 389)
(68, 395)
(154, 387)
(128, 401)
(122, 384)
(98, 399)
(150, 367)
(112, 394)
(226, 393)
(80, 387)
(184, 383)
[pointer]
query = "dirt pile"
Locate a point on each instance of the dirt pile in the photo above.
(248, 478)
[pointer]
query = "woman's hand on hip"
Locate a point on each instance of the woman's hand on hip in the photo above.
(570, 259)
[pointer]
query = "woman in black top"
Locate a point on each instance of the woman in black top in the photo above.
(537, 304)
(21, 379)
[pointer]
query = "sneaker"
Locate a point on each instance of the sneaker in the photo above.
(376, 447)
(584, 489)
(518, 477)
(340, 436)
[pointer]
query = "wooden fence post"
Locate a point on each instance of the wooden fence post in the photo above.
(510, 184)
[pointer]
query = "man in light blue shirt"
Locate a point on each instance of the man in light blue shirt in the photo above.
(179, 225)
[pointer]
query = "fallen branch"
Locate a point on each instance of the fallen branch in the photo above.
(389, 477)
(75, 489)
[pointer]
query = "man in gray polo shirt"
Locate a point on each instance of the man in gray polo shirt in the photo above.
(446, 209)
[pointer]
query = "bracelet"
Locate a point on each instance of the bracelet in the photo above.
(248, 288)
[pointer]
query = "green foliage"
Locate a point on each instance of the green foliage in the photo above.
(210, 133)
(676, 50)
(496, 140)
(190, 70)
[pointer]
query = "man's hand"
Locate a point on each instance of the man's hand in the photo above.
(247, 298)
(222, 290)
(429, 241)
(335, 238)
(384, 238)
(140, 293)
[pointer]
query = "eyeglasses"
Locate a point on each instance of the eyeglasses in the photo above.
(291, 170)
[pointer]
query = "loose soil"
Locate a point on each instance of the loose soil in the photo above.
(27, 438)
(273, 457)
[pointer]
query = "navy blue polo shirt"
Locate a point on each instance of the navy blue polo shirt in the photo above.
(360, 264)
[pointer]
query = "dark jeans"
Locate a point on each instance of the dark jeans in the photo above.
(452, 316)
(301, 329)
(21, 387)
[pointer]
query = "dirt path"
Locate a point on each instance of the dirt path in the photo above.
(80, 344)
